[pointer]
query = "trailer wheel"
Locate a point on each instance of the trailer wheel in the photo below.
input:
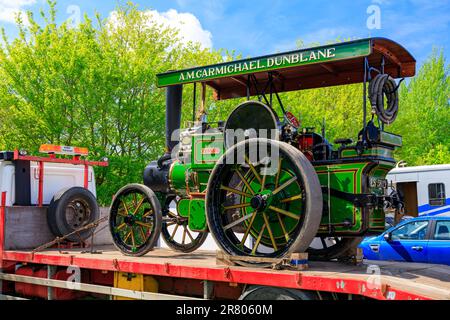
(333, 248)
(175, 230)
(277, 201)
(71, 209)
(274, 293)
(135, 219)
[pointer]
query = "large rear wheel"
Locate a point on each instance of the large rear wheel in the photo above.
(264, 200)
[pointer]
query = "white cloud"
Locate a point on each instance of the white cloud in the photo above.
(190, 28)
(9, 9)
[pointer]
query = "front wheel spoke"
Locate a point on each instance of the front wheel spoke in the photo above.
(253, 169)
(237, 206)
(235, 191)
(125, 207)
(174, 231)
(190, 236)
(127, 236)
(133, 240)
(149, 212)
(173, 215)
(183, 240)
(238, 221)
(143, 224)
(238, 171)
(284, 185)
(120, 213)
(121, 226)
(290, 199)
(138, 206)
(286, 213)
(258, 240)
(144, 237)
(266, 221)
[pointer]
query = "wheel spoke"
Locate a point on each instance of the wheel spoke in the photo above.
(238, 171)
(170, 213)
(142, 233)
(252, 168)
(277, 177)
(127, 236)
(143, 224)
(174, 231)
(284, 185)
(120, 213)
(263, 182)
(286, 213)
(238, 221)
(237, 206)
(183, 240)
(286, 235)
(290, 199)
(133, 241)
(258, 240)
(249, 227)
(139, 205)
(149, 212)
(125, 207)
(324, 243)
(235, 191)
(121, 226)
(266, 221)
(189, 235)
(134, 199)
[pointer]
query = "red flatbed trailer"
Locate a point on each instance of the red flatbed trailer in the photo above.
(198, 274)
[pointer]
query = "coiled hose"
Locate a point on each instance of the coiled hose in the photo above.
(380, 86)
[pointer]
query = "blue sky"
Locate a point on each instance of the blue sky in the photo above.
(260, 27)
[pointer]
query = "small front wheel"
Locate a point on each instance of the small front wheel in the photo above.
(135, 219)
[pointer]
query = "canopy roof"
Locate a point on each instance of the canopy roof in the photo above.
(330, 65)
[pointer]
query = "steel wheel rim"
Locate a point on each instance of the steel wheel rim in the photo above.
(77, 213)
(132, 221)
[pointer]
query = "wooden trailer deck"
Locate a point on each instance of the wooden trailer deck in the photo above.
(397, 281)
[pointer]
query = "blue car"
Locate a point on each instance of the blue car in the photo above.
(422, 239)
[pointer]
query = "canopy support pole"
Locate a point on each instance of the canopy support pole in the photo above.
(202, 110)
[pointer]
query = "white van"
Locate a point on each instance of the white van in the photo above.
(425, 189)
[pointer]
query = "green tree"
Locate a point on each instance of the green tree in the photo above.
(94, 86)
(424, 115)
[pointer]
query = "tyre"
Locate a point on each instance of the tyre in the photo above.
(277, 204)
(135, 220)
(175, 230)
(69, 210)
(273, 293)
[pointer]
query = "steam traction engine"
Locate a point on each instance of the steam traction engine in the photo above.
(258, 182)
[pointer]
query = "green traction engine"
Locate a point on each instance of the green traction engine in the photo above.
(261, 184)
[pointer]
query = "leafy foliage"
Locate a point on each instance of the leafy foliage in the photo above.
(94, 85)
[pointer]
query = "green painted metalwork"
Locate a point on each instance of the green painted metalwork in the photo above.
(377, 151)
(197, 217)
(321, 54)
(183, 207)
